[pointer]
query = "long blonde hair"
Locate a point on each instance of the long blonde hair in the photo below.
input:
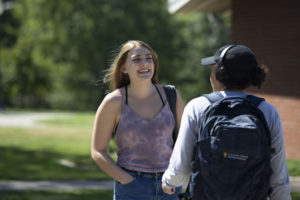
(114, 75)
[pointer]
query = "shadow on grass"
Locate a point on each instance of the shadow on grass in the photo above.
(296, 195)
(58, 195)
(20, 164)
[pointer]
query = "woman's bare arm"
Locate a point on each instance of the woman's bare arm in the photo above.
(105, 122)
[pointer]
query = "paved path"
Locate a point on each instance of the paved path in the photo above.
(295, 184)
(28, 119)
(55, 185)
(92, 185)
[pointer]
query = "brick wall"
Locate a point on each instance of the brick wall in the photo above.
(288, 108)
(271, 28)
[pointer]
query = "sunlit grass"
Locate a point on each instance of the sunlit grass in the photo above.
(58, 139)
(294, 167)
(41, 152)
(36, 153)
(83, 120)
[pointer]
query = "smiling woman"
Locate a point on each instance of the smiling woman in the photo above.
(115, 75)
(138, 113)
(139, 64)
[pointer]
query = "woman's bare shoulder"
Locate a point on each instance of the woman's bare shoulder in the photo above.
(113, 98)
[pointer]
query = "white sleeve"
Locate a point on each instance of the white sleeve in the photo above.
(279, 181)
(179, 168)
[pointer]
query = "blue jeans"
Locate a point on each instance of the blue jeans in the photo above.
(143, 187)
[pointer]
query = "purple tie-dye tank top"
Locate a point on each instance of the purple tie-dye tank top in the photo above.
(144, 145)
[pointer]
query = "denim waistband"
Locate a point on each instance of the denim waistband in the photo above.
(145, 174)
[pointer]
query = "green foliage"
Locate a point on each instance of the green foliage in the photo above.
(64, 46)
(25, 81)
(203, 34)
(53, 53)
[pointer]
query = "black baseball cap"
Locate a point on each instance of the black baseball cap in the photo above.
(237, 55)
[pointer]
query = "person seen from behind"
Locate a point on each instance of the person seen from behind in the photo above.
(234, 68)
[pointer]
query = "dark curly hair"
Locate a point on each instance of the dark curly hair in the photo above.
(235, 76)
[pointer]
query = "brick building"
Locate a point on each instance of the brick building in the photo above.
(271, 28)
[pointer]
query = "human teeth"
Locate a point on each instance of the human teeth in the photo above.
(144, 70)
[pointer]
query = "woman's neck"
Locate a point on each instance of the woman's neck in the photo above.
(141, 90)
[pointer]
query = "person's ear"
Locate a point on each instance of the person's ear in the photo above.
(123, 69)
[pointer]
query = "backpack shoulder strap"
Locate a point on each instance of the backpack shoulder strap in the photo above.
(213, 97)
(172, 97)
(255, 100)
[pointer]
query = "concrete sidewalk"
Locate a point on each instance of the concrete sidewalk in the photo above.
(295, 183)
(55, 185)
(75, 185)
(29, 119)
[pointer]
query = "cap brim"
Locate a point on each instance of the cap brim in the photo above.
(208, 61)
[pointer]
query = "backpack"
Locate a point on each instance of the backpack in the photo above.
(232, 155)
(172, 97)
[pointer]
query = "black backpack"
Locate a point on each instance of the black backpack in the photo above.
(233, 150)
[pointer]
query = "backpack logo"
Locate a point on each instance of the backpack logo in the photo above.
(235, 156)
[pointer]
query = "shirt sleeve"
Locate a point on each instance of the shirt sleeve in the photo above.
(279, 182)
(179, 169)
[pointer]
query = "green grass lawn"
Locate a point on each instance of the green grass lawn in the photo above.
(39, 153)
(293, 167)
(296, 195)
(29, 153)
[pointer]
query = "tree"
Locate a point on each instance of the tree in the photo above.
(62, 48)
(23, 82)
(203, 34)
(67, 46)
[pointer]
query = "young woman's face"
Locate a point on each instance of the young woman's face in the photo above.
(139, 64)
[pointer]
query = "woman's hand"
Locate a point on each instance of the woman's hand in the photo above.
(127, 179)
